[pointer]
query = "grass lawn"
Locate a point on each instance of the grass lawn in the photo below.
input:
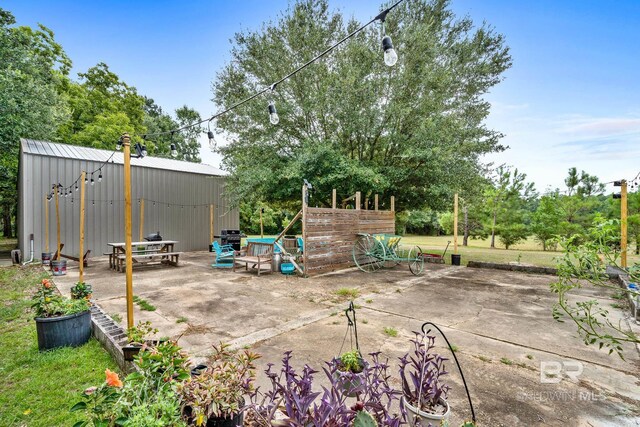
(37, 389)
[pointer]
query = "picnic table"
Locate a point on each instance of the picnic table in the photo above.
(143, 253)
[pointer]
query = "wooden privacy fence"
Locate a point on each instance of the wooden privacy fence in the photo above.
(329, 235)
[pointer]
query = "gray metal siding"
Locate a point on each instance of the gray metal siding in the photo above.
(104, 205)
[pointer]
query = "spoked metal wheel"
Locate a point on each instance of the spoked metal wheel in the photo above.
(368, 253)
(416, 260)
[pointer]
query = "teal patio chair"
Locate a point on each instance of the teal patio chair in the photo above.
(224, 256)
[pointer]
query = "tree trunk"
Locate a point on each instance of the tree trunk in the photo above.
(465, 237)
(6, 221)
(493, 229)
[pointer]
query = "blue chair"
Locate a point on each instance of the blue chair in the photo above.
(224, 255)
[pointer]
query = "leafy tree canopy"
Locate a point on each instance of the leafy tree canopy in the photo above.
(349, 122)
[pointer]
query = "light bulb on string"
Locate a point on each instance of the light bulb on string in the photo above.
(390, 55)
(119, 144)
(273, 113)
(211, 136)
(143, 151)
(86, 180)
(76, 187)
(100, 176)
(92, 181)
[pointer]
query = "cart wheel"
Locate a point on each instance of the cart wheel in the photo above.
(368, 253)
(416, 260)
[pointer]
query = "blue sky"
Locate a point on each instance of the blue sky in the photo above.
(572, 97)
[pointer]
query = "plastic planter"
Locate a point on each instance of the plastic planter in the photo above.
(427, 418)
(71, 330)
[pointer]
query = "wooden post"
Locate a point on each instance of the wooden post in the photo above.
(334, 199)
(375, 202)
(126, 143)
(623, 224)
(366, 203)
(81, 245)
(304, 229)
(393, 203)
(455, 223)
(57, 222)
(261, 224)
(358, 200)
(46, 224)
(211, 224)
(141, 219)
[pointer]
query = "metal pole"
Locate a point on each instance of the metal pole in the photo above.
(455, 223)
(81, 246)
(46, 224)
(127, 226)
(141, 219)
(623, 224)
(211, 224)
(57, 222)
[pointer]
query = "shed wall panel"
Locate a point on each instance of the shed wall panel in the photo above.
(169, 199)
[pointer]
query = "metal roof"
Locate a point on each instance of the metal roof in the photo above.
(67, 151)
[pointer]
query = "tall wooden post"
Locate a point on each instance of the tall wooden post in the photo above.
(304, 228)
(81, 245)
(393, 203)
(261, 224)
(211, 229)
(455, 223)
(623, 224)
(141, 220)
(57, 222)
(46, 224)
(358, 200)
(334, 199)
(366, 203)
(126, 144)
(375, 202)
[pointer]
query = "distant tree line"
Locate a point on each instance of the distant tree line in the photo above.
(40, 100)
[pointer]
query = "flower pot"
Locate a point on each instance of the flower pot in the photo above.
(351, 383)
(238, 420)
(130, 351)
(427, 418)
(71, 330)
(59, 267)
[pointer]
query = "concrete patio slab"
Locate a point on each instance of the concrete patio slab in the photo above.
(499, 321)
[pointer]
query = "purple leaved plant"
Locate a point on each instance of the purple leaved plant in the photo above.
(421, 372)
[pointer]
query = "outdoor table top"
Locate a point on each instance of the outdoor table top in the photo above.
(145, 243)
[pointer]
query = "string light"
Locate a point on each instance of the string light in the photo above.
(76, 187)
(173, 151)
(212, 141)
(92, 181)
(391, 58)
(100, 176)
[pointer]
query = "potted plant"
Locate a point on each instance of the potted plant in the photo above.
(81, 290)
(214, 398)
(60, 321)
(424, 395)
(348, 373)
(137, 337)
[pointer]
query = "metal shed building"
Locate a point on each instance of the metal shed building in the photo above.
(177, 197)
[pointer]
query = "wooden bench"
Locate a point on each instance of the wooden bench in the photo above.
(257, 255)
(163, 257)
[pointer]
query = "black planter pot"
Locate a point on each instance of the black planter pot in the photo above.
(72, 330)
(238, 420)
(130, 351)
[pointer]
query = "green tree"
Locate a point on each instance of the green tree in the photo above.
(581, 201)
(350, 122)
(546, 220)
(509, 201)
(32, 66)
